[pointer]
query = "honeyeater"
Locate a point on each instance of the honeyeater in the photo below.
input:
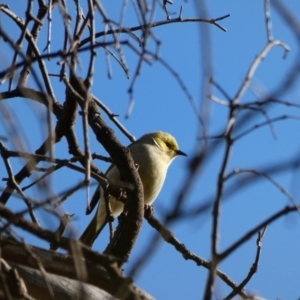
(153, 154)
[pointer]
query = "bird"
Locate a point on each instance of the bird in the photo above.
(152, 153)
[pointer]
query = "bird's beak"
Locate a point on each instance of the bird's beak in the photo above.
(178, 152)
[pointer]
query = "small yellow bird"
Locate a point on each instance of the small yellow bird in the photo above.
(153, 153)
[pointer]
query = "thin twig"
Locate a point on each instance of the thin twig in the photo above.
(170, 238)
(5, 157)
(156, 24)
(270, 179)
(253, 268)
(262, 225)
(259, 125)
(49, 34)
(268, 20)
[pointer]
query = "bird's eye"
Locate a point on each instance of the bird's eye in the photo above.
(168, 144)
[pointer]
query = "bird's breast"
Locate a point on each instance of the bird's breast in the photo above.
(152, 169)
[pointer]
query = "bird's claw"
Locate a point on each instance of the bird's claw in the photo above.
(148, 211)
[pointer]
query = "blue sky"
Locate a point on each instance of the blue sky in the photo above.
(160, 104)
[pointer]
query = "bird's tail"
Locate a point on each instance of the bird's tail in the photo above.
(94, 228)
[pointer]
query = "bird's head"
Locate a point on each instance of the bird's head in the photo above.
(166, 142)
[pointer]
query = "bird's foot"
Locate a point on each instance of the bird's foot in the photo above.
(148, 211)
